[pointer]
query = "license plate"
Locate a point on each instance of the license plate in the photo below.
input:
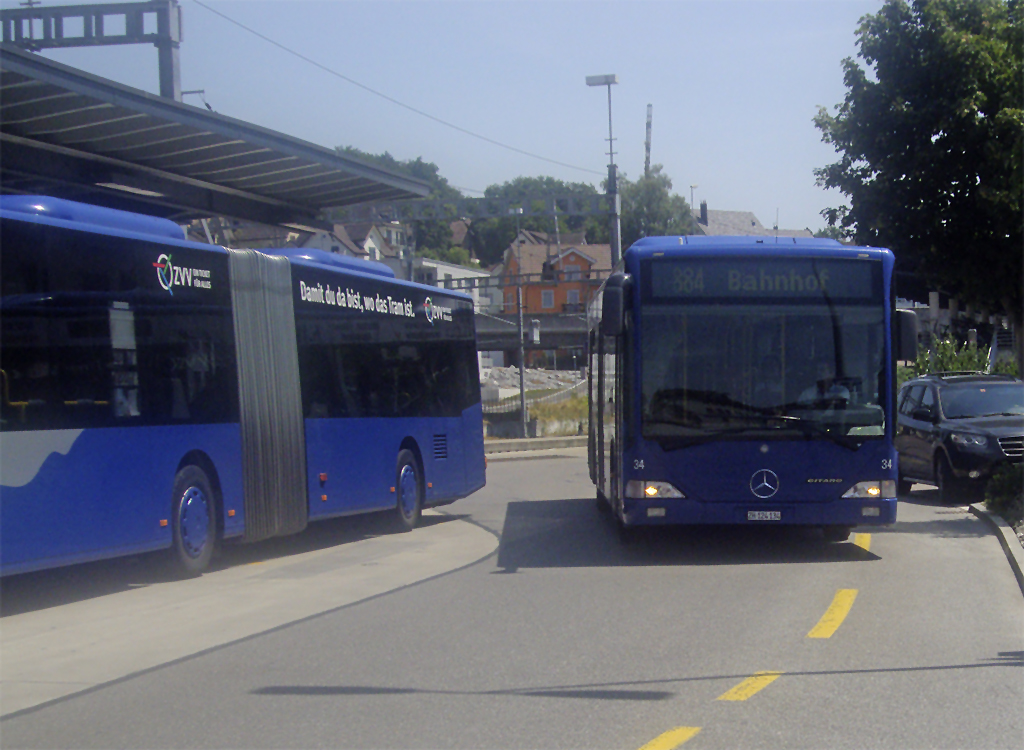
(764, 515)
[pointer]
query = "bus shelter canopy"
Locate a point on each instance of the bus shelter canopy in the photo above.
(69, 134)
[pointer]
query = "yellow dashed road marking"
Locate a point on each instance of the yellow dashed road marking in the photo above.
(750, 686)
(673, 738)
(834, 615)
(863, 541)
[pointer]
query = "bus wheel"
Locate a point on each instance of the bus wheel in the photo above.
(409, 488)
(836, 533)
(194, 520)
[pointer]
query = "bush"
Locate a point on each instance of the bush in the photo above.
(1006, 367)
(1005, 493)
(573, 408)
(951, 356)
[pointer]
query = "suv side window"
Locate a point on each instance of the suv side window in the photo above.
(911, 400)
(928, 399)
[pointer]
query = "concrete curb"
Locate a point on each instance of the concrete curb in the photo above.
(1011, 545)
(534, 444)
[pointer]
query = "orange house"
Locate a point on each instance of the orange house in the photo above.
(556, 279)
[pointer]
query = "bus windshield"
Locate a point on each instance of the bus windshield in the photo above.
(761, 366)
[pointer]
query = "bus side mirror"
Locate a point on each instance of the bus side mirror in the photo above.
(905, 343)
(613, 304)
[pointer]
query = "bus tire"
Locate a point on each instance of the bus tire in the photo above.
(409, 489)
(602, 503)
(193, 521)
(836, 533)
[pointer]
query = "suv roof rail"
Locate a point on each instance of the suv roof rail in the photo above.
(967, 374)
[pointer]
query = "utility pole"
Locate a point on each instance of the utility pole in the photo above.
(519, 306)
(647, 144)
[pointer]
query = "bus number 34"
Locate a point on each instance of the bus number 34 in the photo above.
(638, 463)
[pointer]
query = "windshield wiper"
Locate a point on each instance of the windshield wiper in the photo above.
(811, 429)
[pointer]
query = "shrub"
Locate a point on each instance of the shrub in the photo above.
(573, 408)
(1006, 367)
(1005, 493)
(952, 356)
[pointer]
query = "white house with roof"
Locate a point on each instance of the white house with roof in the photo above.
(744, 223)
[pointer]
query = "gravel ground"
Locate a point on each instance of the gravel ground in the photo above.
(508, 377)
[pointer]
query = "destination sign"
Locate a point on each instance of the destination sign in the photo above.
(745, 278)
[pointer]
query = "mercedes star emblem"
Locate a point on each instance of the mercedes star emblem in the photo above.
(764, 483)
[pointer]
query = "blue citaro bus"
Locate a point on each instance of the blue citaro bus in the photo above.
(746, 380)
(161, 393)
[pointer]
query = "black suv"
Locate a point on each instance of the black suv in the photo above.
(954, 429)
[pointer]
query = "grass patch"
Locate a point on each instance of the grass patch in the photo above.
(573, 408)
(1004, 493)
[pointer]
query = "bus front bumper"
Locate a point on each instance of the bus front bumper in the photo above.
(842, 512)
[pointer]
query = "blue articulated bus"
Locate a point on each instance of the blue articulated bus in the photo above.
(746, 380)
(161, 393)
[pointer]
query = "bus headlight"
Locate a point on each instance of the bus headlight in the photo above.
(872, 490)
(642, 490)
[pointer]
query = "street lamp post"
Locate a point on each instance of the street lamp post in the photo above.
(519, 306)
(613, 190)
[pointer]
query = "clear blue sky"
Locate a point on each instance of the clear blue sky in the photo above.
(734, 86)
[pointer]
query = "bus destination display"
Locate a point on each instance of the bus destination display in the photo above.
(770, 278)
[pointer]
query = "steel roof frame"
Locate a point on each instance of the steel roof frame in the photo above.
(63, 131)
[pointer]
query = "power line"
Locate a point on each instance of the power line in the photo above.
(389, 98)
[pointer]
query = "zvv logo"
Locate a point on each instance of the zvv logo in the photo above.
(164, 271)
(170, 275)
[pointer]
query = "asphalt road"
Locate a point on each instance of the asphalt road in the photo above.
(518, 620)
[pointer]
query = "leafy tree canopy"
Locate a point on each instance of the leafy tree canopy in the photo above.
(833, 232)
(649, 208)
(433, 238)
(930, 145)
(490, 237)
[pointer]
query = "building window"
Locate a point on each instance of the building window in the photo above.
(572, 273)
(573, 296)
(547, 298)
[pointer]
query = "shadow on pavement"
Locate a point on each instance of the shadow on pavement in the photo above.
(944, 521)
(573, 533)
(634, 690)
(42, 589)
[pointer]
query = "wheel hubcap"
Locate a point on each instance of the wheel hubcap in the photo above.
(407, 490)
(194, 521)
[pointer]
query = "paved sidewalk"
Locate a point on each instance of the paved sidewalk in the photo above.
(1007, 538)
(56, 651)
(507, 445)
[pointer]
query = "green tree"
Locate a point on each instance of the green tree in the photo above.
(833, 232)
(649, 208)
(930, 144)
(490, 237)
(433, 238)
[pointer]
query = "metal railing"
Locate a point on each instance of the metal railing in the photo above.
(593, 277)
(512, 403)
